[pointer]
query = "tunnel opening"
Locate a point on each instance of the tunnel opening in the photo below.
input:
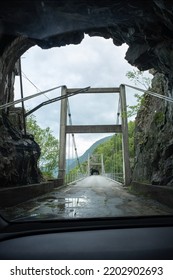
(75, 66)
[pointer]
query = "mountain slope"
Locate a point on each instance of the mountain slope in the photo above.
(84, 157)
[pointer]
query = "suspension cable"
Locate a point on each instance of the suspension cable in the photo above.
(118, 111)
(6, 105)
(73, 138)
(116, 145)
(68, 155)
(155, 94)
(39, 90)
(40, 93)
(56, 99)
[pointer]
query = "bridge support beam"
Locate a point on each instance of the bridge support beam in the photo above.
(62, 141)
(125, 141)
(88, 165)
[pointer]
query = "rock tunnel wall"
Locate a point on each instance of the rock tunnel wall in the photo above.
(19, 156)
(19, 153)
(154, 136)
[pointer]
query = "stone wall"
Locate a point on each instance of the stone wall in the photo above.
(154, 137)
(19, 155)
(162, 194)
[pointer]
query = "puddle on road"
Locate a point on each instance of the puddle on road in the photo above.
(46, 207)
(64, 203)
(60, 207)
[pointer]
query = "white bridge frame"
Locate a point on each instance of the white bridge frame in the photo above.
(123, 128)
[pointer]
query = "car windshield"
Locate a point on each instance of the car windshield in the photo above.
(84, 133)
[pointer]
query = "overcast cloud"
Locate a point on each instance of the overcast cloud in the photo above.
(96, 62)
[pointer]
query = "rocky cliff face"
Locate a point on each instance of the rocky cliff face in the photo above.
(154, 137)
(19, 153)
(18, 156)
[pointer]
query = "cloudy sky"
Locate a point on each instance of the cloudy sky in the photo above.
(96, 62)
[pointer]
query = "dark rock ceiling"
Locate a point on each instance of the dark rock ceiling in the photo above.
(146, 26)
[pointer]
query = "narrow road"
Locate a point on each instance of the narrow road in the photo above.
(94, 196)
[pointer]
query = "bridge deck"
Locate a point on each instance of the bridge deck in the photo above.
(94, 196)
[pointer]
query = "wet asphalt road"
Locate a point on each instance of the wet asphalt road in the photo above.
(94, 196)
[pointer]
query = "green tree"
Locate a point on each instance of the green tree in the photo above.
(139, 78)
(49, 145)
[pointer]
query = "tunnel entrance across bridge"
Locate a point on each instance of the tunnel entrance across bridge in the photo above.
(113, 128)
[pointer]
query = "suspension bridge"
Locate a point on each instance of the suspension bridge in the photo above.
(67, 128)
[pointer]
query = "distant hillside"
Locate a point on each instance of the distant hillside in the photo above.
(84, 157)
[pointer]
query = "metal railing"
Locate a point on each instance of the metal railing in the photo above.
(118, 177)
(72, 177)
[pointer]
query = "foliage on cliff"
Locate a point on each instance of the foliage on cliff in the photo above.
(141, 80)
(49, 145)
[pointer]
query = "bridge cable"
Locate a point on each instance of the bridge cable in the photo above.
(117, 144)
(39, 90)
(118, 112)
(152, 93)
(56, 99)
(73, 138)
(114, 165)
(9, 104)
(118, 135)
(68, 164)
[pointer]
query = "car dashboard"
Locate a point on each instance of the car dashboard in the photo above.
(98, 239)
